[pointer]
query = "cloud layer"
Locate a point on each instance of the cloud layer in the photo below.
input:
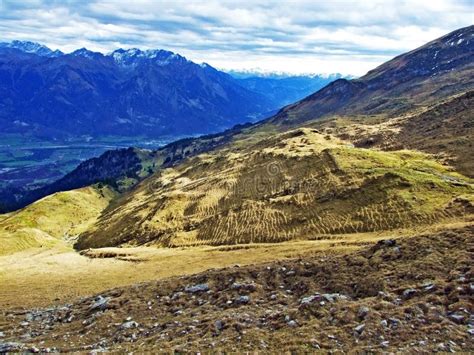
(350, 37)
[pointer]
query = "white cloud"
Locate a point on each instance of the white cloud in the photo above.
(293, 36)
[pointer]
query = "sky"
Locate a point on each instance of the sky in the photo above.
(298, 37)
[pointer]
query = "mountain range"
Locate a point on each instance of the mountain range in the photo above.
(350, 211)
(130, 92)
(375, 111)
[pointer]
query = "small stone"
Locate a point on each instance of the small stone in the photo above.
(9, 347)
(409, 293)
(292, 324)
(333, 297)
(384, 344)
(243, 300)
(470, 331)
(219, 325)
(2, 334)
(273, 297)
(129, 325)
(100, 304)
(360, 328)
(384, 323)
(315, 344)
(457, 318)
(363, 312)
(34, 350)
(310, 299)
(429, 287)
(197, 288)
(394, 322)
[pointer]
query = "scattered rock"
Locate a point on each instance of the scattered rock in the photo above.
(333, 297)
(384, 344)
(219, 325)
(11, 346)
(315, 344)
(409, 293)
(129, 325)
(242, 300)
(360, 328)
(292, 324)
(363, 312)
(428, 287)
(100, 304)
(394, 322)
(457, 318)
(197, 288)
(310, 299)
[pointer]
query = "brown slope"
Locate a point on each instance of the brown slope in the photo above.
(440, 68)
(405, 295)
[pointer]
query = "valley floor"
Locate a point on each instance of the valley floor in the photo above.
(346, 292)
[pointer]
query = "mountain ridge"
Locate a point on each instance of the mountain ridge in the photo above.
(129, 92)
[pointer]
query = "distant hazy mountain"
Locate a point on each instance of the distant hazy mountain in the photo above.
(438, 69)
(283, 89)
(127, 92)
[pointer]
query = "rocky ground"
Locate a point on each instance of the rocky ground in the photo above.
(413, 294)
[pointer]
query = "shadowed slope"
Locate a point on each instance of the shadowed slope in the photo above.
(440, 68)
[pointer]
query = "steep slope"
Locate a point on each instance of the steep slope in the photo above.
(440, 68)
(298, 184)
(128, 93)
(65, 214)
(445, 129)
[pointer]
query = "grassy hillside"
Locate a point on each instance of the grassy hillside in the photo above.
(295, 185)
(41, 224)
(445, 129)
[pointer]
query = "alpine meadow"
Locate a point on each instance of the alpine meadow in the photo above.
(259, 192)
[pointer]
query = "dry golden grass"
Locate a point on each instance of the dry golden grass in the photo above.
(294, 185)
(43, 223)
(39, 277)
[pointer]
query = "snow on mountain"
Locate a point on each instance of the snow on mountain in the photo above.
(32, 47)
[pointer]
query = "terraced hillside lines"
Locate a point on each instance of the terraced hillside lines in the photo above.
(287, 186)
(41, 224)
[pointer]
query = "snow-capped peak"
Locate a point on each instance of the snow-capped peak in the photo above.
(130, 56)
(32, 47)
(84, 52)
